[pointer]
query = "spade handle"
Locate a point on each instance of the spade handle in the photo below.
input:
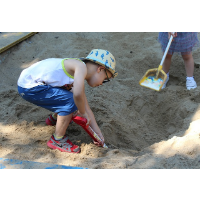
(166, 50)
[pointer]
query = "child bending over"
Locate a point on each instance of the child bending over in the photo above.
(58, 85)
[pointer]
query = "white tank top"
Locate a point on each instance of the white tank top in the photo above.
(50, 72)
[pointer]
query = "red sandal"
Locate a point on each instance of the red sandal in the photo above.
(51, 121)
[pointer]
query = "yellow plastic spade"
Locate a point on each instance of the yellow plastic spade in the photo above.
(155, 78)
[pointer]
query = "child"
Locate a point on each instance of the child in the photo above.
(183, 43)
(58, 85)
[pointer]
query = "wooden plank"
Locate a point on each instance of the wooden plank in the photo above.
(8, 40)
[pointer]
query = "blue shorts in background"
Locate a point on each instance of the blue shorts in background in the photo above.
(55, 99)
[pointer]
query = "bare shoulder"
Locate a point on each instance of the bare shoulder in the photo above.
(72, 65)
(74, 62)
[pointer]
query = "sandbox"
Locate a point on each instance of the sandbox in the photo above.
(143, 128)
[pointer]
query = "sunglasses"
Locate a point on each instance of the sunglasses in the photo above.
(107, 80)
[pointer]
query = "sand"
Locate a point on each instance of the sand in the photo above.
(143, 128)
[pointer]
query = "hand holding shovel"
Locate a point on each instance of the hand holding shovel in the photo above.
(155, 78)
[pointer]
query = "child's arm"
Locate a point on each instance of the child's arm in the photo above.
(93, 122)
(80, 72)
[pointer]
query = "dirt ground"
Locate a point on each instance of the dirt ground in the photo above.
(143, 129)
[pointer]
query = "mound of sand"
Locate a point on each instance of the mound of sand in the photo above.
(143, 128)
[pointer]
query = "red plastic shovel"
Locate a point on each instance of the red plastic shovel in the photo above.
(82, 122)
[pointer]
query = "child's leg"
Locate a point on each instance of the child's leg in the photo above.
(189, 64)
(59, 140)
(167, 63)
(62, 124)
(189, 67)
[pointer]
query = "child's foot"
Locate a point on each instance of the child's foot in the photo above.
(63, 145)
(191, 84)
(51, 121)
(164, 85)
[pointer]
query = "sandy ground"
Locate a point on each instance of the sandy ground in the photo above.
(143, 128)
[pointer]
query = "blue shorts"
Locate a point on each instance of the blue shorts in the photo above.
(55, 99)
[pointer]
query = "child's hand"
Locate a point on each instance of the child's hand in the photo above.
(86, 116)
(174, 34)
(96, 143)
(102, 138)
